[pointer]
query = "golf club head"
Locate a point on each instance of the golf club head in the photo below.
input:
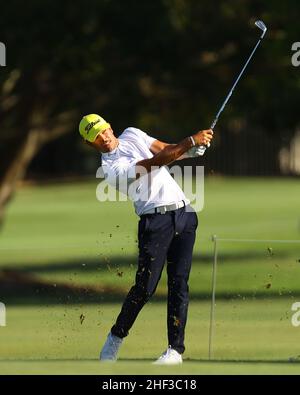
(262, 27)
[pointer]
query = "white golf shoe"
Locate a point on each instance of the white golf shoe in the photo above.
(169, 357)
(109, 352)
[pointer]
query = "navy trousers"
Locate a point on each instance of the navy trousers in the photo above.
(162, 237)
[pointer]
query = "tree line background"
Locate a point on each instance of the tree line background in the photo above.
(164, 66)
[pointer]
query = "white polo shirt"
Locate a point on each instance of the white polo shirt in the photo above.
(154, 189)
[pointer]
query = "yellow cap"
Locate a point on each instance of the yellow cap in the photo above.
(91, 125)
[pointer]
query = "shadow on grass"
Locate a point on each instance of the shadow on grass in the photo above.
(22, 288)
(150, 360)
(104, 264)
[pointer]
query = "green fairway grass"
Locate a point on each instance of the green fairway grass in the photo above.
(144, 367)
(46, 339)
(63, 256)
(69, 218)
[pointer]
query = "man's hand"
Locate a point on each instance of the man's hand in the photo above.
(203, 137)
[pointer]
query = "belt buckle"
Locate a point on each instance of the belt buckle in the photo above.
(163, 210)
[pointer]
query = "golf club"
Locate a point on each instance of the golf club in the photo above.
(261, 26)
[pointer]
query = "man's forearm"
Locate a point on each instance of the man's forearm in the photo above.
(169, 154)
(184, 156)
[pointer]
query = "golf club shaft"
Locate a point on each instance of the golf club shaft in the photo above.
(203, 147)
(234, 85)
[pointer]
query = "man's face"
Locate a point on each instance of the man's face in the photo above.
(105, 141)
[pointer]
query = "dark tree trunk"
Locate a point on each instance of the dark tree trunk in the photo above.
(21, 154)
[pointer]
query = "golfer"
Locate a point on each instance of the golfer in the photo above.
(167, 225)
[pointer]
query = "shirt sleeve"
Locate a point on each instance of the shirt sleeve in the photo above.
(137, 134)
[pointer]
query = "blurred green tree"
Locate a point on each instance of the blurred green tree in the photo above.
(164, 65)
